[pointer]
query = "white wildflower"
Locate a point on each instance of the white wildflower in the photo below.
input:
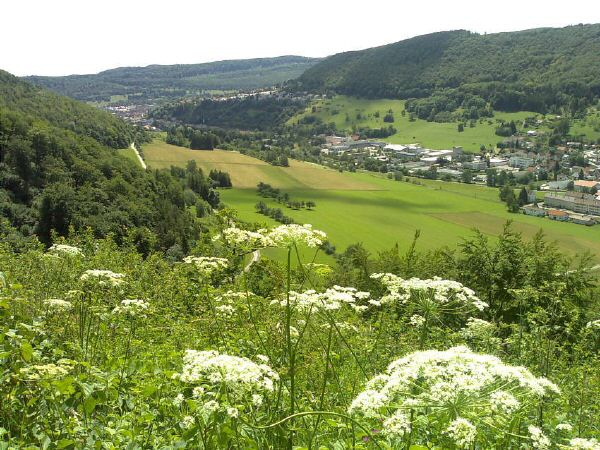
(241, 375)
(417, 321)
(263, 358)
(58, 304)
(177, 401)
(64, 249)
(397, 425)
(211, 406)
(478, 328)
(462, 432)
(443, 292)
(198, 392)
(132, 308)
(244, 240)
(225, 310)
(48, 371)
(187, 422)
(294, 234)
(233, 412)
(504, 402)
(566, 427)
(257, 400)
(207, 265)
(584, 444)
(593, 324)
(368, 403)
(539, 440)
(456, 381)
(330, 300)
(103, 277)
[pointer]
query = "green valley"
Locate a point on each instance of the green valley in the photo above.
(369, 208)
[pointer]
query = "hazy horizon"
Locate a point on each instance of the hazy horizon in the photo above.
(67, 37)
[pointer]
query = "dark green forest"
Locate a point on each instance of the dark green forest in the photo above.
(540, 70)
(60, 171)
(142, 84)
(248, 113)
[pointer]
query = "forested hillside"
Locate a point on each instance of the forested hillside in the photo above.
(249, 113)
(58, 172)
(173, 81)
(534, 70)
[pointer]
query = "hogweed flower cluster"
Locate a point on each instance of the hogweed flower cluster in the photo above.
(462, 432)
(58, 304)
(478, 328)
(244, 240)
(539, 440)
(478, 388)
(48, 371)
(443, 292)
(230, 301)
(132, 308)
(286, 236)
(212, 372)
(594, 324)
(207, 265)
(103, 277)
(63, 249)
(584, 444)
(330, 300)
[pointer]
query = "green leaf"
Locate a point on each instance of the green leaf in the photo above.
(89, 405)
(149, 390)
(64, 443)
(65, 386)
(26, 351)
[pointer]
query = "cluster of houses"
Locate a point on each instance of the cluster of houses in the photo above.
(582, 205)
(453, 162)
(415, 158)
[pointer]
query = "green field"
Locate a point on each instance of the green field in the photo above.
(129, 153)
(246, 171)
(429, 134)
(369, 208)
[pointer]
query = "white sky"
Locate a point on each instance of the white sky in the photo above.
(59, 37)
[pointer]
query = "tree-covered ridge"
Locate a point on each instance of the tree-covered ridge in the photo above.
(172, 81)
(537, 69)
(43, 105)
(57, 174)
(253, 112)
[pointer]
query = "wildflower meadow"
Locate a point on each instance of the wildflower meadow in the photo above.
(495, 346)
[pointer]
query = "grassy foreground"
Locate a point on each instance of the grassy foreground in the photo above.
(368, 208)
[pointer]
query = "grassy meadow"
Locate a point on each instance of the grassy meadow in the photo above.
(369, 208)
(129, 153)
(430, 134)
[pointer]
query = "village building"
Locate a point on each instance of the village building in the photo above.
(574, 201)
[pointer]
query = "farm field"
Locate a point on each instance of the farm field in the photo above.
(246, 171)
(429, 134)
(369, 208)
(129, 153)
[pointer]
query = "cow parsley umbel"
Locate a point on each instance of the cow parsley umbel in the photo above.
(207, 265)
(436, 385)
(240, 376)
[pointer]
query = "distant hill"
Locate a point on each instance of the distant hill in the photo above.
(539, 69)
(60, 171)
(143, 84)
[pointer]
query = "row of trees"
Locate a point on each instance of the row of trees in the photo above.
(274, 213)
(193, 138)
(268, 191)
